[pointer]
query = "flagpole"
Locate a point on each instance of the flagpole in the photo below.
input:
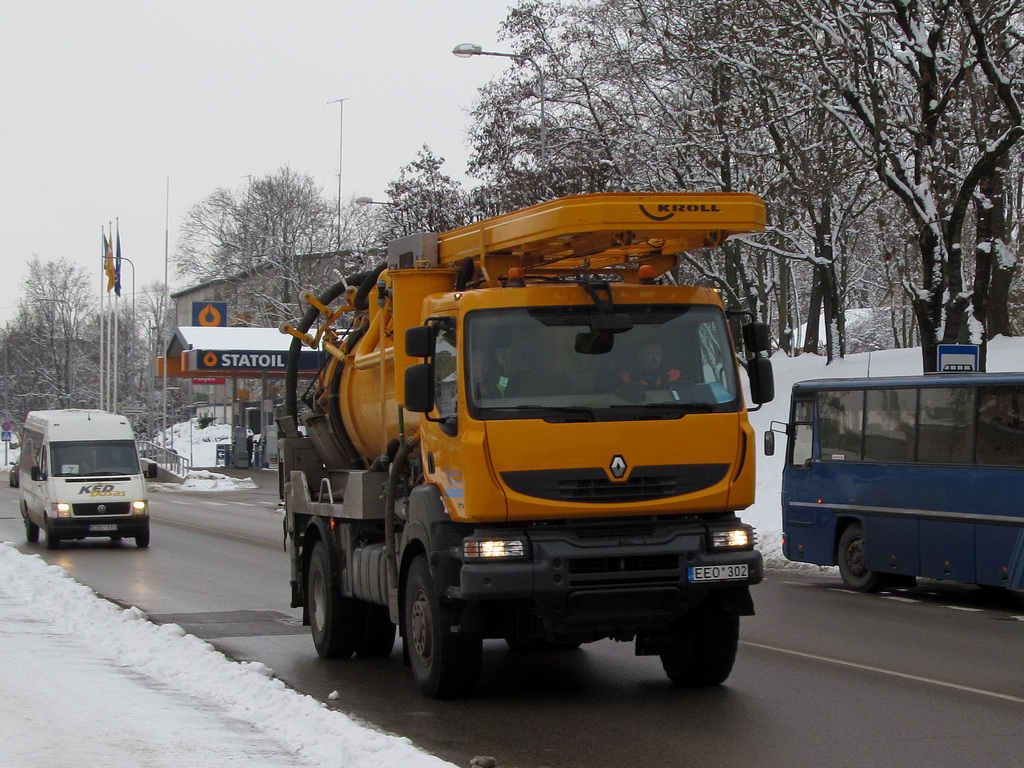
(103, 274)
(117, 306)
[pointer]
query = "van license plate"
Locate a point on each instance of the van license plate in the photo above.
(718, 572)
(108, 527)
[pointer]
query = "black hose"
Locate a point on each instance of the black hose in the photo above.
(291, 374)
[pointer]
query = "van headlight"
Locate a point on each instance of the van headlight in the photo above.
(63, 509)
(138, 507)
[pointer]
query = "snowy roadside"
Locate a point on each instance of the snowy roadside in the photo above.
(88, 683)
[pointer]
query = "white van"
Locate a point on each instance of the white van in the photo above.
(80, 476)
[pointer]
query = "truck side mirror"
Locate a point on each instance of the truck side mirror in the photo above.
(762, 380)
(419, 340)
(769, 443)
(419, 385)
(757, 337)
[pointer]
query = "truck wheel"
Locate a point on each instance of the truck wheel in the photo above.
(703, 648)
(332, 618)
(142, 540)
(378, 636)
(853, 562)
(445, 664)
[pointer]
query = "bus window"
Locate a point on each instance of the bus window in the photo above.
(889, 424)
(946, 427)
(841, 424)
(1000, 426)
(803, 433)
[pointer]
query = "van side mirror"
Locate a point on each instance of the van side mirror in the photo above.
(36, 473)
(152, 470)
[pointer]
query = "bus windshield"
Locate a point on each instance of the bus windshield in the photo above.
(556, 360)
(86, 458)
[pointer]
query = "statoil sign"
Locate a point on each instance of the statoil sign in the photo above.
(224, 360)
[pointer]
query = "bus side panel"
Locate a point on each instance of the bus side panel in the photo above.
(1000, 556)
(892, 544)
(948, 551)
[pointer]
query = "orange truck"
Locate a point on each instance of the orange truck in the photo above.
(524, 429)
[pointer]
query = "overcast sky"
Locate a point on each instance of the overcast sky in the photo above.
(105, 105)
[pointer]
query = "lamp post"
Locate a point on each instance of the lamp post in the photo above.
(467, 50)
(341, 139)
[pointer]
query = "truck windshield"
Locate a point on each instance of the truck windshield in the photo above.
(94, 457)
(674, 360)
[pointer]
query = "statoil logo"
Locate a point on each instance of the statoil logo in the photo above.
(100, 489)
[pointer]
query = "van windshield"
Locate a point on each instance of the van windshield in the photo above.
(94, 457)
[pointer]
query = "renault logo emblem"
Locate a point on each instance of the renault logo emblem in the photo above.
(618, 467)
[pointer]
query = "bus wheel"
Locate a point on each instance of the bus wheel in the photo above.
(445, 664)
(703, 648)
(853, 562)
(333, 619)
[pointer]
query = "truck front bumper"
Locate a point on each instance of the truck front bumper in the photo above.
(630, 583)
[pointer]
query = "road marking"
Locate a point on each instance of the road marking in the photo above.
(900, 599)
(889, 672)
(964, 608)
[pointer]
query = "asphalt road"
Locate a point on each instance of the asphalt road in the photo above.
(926, 677)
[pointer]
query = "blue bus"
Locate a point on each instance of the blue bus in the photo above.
(895, 478)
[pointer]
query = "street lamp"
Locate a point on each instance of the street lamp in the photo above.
(467, 50)
(371, 201)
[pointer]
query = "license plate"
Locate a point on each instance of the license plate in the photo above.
(99, 528)
(718, 572)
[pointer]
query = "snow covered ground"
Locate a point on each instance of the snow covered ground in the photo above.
(87, 683)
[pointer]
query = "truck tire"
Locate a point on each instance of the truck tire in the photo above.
(445, 664)
(853, 563)
(703, 647)
(333, 619)
(378, 636)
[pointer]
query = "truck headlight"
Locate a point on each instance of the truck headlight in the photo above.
(494, 549)
(138, 507)
(737, 538)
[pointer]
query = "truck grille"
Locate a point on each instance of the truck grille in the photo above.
(592, 485)
(102, 508)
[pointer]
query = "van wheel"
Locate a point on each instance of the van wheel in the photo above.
(853, 561)
(52, 539)
(31, 530)
(142, 540)
(445, 664)
(334, 620)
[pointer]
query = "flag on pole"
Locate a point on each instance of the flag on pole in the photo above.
(117, 265)
(109, 267)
